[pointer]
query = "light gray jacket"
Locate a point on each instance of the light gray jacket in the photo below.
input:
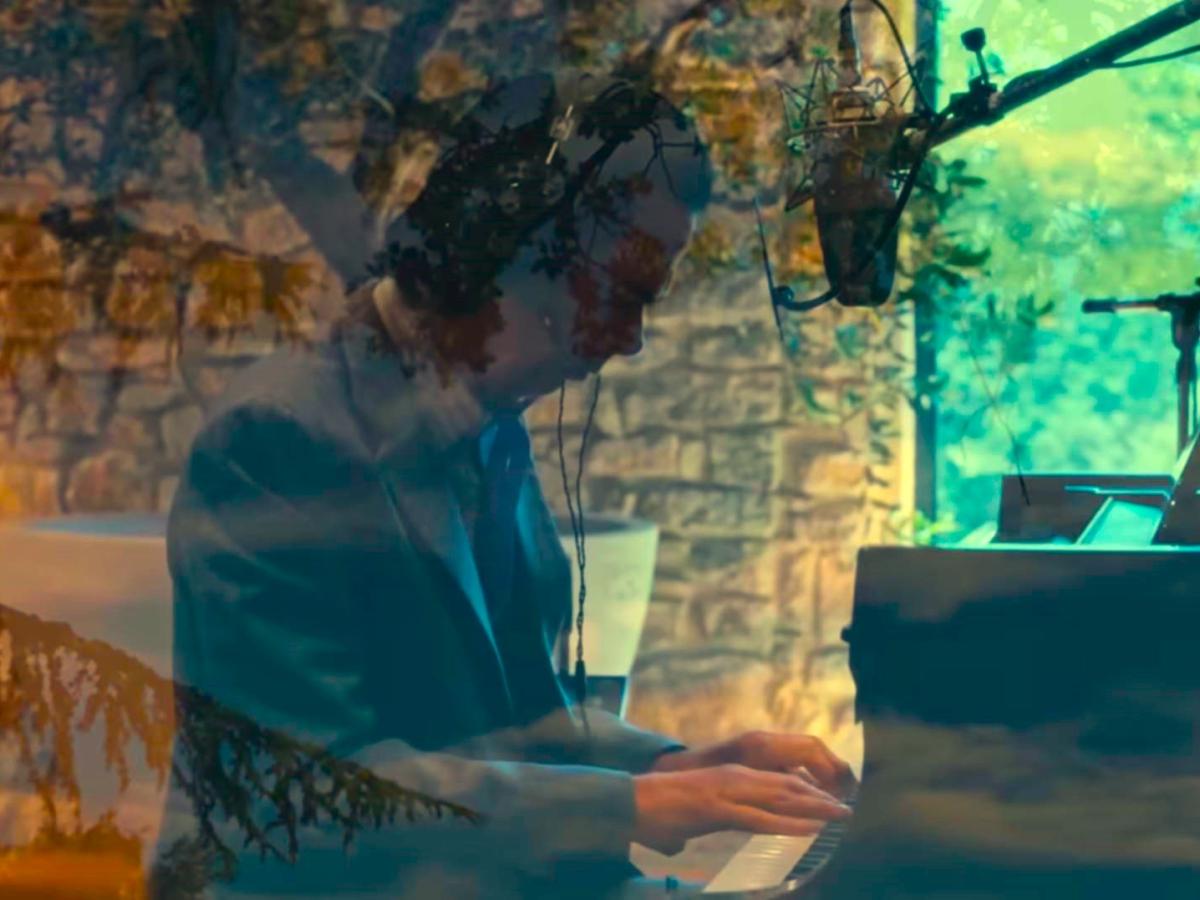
(325, 586)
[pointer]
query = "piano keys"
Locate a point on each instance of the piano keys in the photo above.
(773, 865)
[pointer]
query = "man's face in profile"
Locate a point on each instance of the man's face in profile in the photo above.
(566, 328)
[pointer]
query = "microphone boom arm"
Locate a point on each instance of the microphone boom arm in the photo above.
(1034, 85)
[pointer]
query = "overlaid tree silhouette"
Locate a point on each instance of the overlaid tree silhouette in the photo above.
(242, 779)
(111, 110)
(316, 106)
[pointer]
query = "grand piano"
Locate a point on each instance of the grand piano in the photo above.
(1030, 707)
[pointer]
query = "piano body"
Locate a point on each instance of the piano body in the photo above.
(1030, 706)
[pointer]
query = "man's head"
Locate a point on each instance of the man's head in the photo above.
(532, 252)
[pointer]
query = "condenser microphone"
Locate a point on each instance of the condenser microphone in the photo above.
(852, 189)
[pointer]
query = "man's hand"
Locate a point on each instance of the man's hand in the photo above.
(675, 806)
(768, 752)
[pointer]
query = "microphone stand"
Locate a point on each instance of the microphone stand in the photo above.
(985, 105)
(1185, 334)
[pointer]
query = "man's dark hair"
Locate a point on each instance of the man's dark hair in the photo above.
(506, 170)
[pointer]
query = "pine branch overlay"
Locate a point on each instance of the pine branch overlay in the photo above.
(53, 682)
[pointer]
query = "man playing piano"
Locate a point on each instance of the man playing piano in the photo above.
(363, 558)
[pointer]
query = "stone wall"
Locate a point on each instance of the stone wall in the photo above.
(761, 501)
(101, 406)
(762, 504)
(762, 475)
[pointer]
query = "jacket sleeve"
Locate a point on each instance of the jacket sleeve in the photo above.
(261, 628)
(604, 740)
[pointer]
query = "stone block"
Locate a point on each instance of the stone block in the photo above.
(126, 431)
(828, 666)
(33, 443)
(33, 375)
(704, 510)
(662, 624)
(241, 344)
(142, 295)
(737, 565)
(651, 401)
(835, 594)
(693, 460)
(31, 421)
(835, 474)
(692, 401)
(835, 522)
(744, 621)
(746, 344)
(271, 231)
(543, 414)
(789, 643)
(189, 223)
(716, 298)
(674, 557)
(607, 495)
(208, 382)
(805, 455)
(92, 353)
(110, 480)
(544, 446)
(226, 295)
(723, 399)
(28, 490)
(712, 554)
(9, 408)
(661, 348)
(179, 428)
(645, 456)
(796, 568)
(46, 451)
(702, 700)
(143, 396)
(77, 404)
(744, 457)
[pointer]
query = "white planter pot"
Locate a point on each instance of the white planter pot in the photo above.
(620, 554)
(106, 576)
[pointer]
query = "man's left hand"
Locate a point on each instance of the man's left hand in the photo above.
(770, 752)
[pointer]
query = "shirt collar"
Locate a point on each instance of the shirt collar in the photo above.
(416, 415)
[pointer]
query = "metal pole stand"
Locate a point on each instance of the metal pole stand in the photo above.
(1185, 335)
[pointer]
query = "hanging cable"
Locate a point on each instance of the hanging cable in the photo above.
(579, 535)
(903, 48)
(1150, 60)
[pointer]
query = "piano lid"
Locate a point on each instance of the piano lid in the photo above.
(1031, 723)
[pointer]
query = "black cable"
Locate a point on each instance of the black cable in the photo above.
(908, 63)
(1149, 60)
(579, 535)
(994, 404)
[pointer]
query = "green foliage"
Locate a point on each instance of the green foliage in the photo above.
(1092, 192)
(918, 529)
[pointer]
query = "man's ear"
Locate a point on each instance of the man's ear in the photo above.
(398, 320)
(412, 158)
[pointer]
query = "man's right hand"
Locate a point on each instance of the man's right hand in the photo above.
(675, 806)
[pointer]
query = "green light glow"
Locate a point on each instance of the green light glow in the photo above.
(1094, 191)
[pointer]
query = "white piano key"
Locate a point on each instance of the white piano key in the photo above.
(764, 862)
